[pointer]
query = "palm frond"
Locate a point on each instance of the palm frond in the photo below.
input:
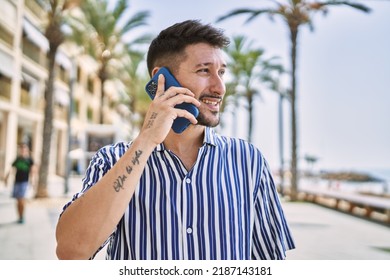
(119, 8)
(355, 5)
(139, 19)
(252, 14)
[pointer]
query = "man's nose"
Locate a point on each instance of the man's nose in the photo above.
(217, 85)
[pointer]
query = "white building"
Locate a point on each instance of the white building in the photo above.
(23, 74)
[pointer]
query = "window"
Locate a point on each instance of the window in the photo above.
(25, 99)
(6, 36)
(5, 87)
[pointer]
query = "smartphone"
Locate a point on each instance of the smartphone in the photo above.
(180, 123)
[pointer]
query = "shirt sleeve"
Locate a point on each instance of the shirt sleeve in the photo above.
(98, 166)
(271, 234)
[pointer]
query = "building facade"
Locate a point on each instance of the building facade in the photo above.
(77, 132)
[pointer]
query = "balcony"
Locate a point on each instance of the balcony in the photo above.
(35, 8)
(33, 52)
(60, 112)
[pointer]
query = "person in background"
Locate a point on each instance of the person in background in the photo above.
(24, 172)
(189, 195)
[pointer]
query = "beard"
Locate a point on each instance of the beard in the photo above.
(212, 121)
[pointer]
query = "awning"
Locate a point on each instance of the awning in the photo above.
(35, 35)
(64, 60)
(62, 97)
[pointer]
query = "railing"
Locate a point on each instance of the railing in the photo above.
(367, 205)
(33, 52)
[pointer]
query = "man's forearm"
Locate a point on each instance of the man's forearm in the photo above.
(89, 221)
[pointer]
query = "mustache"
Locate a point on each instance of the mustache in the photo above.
(208, 95)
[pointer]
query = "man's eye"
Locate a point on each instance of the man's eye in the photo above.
(203, 70)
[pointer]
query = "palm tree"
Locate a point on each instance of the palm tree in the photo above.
(55, 18)
(102, 31)
(295, 13)
(232, 95)
(275, 86)
(135, 82)
(250, 70)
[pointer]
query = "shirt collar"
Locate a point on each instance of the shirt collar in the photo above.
(209, 139)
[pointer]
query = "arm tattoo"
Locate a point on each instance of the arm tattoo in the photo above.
(135, 160)
(151, 120)
(119, 182)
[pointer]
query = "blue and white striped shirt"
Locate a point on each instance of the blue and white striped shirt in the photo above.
(225, 207)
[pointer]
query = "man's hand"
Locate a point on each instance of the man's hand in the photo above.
(162, 111)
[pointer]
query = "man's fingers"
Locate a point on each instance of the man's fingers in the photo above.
(185, 114)
(160, 85)
(168, 93)
(182, 98)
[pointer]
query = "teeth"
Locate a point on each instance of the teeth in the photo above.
(210, 102)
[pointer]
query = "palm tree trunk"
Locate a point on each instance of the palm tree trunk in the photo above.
(101, 121)
(294, 158)
(234, 115)
(250, 114)
(103, 77)
(47, 127)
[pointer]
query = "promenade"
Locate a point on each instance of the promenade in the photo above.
(320, 233)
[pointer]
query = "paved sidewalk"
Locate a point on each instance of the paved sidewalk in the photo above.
(35, 239)
(320, 233)
(326, 234)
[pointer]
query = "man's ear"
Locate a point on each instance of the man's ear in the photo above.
(154, 71)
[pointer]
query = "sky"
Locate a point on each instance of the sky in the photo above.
(343, 79)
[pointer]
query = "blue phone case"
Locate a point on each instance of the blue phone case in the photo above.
(179, 124)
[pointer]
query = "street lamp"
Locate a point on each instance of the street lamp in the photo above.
(281, 149)
(72, 81)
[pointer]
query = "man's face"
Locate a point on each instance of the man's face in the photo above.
(23, 150)
(202, 72)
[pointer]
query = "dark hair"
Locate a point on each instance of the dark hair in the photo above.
(166, 48)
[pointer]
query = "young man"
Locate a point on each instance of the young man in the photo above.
(193, 195)
(23, 168)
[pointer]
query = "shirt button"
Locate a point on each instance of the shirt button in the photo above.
(188, 180)
(189, 230)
